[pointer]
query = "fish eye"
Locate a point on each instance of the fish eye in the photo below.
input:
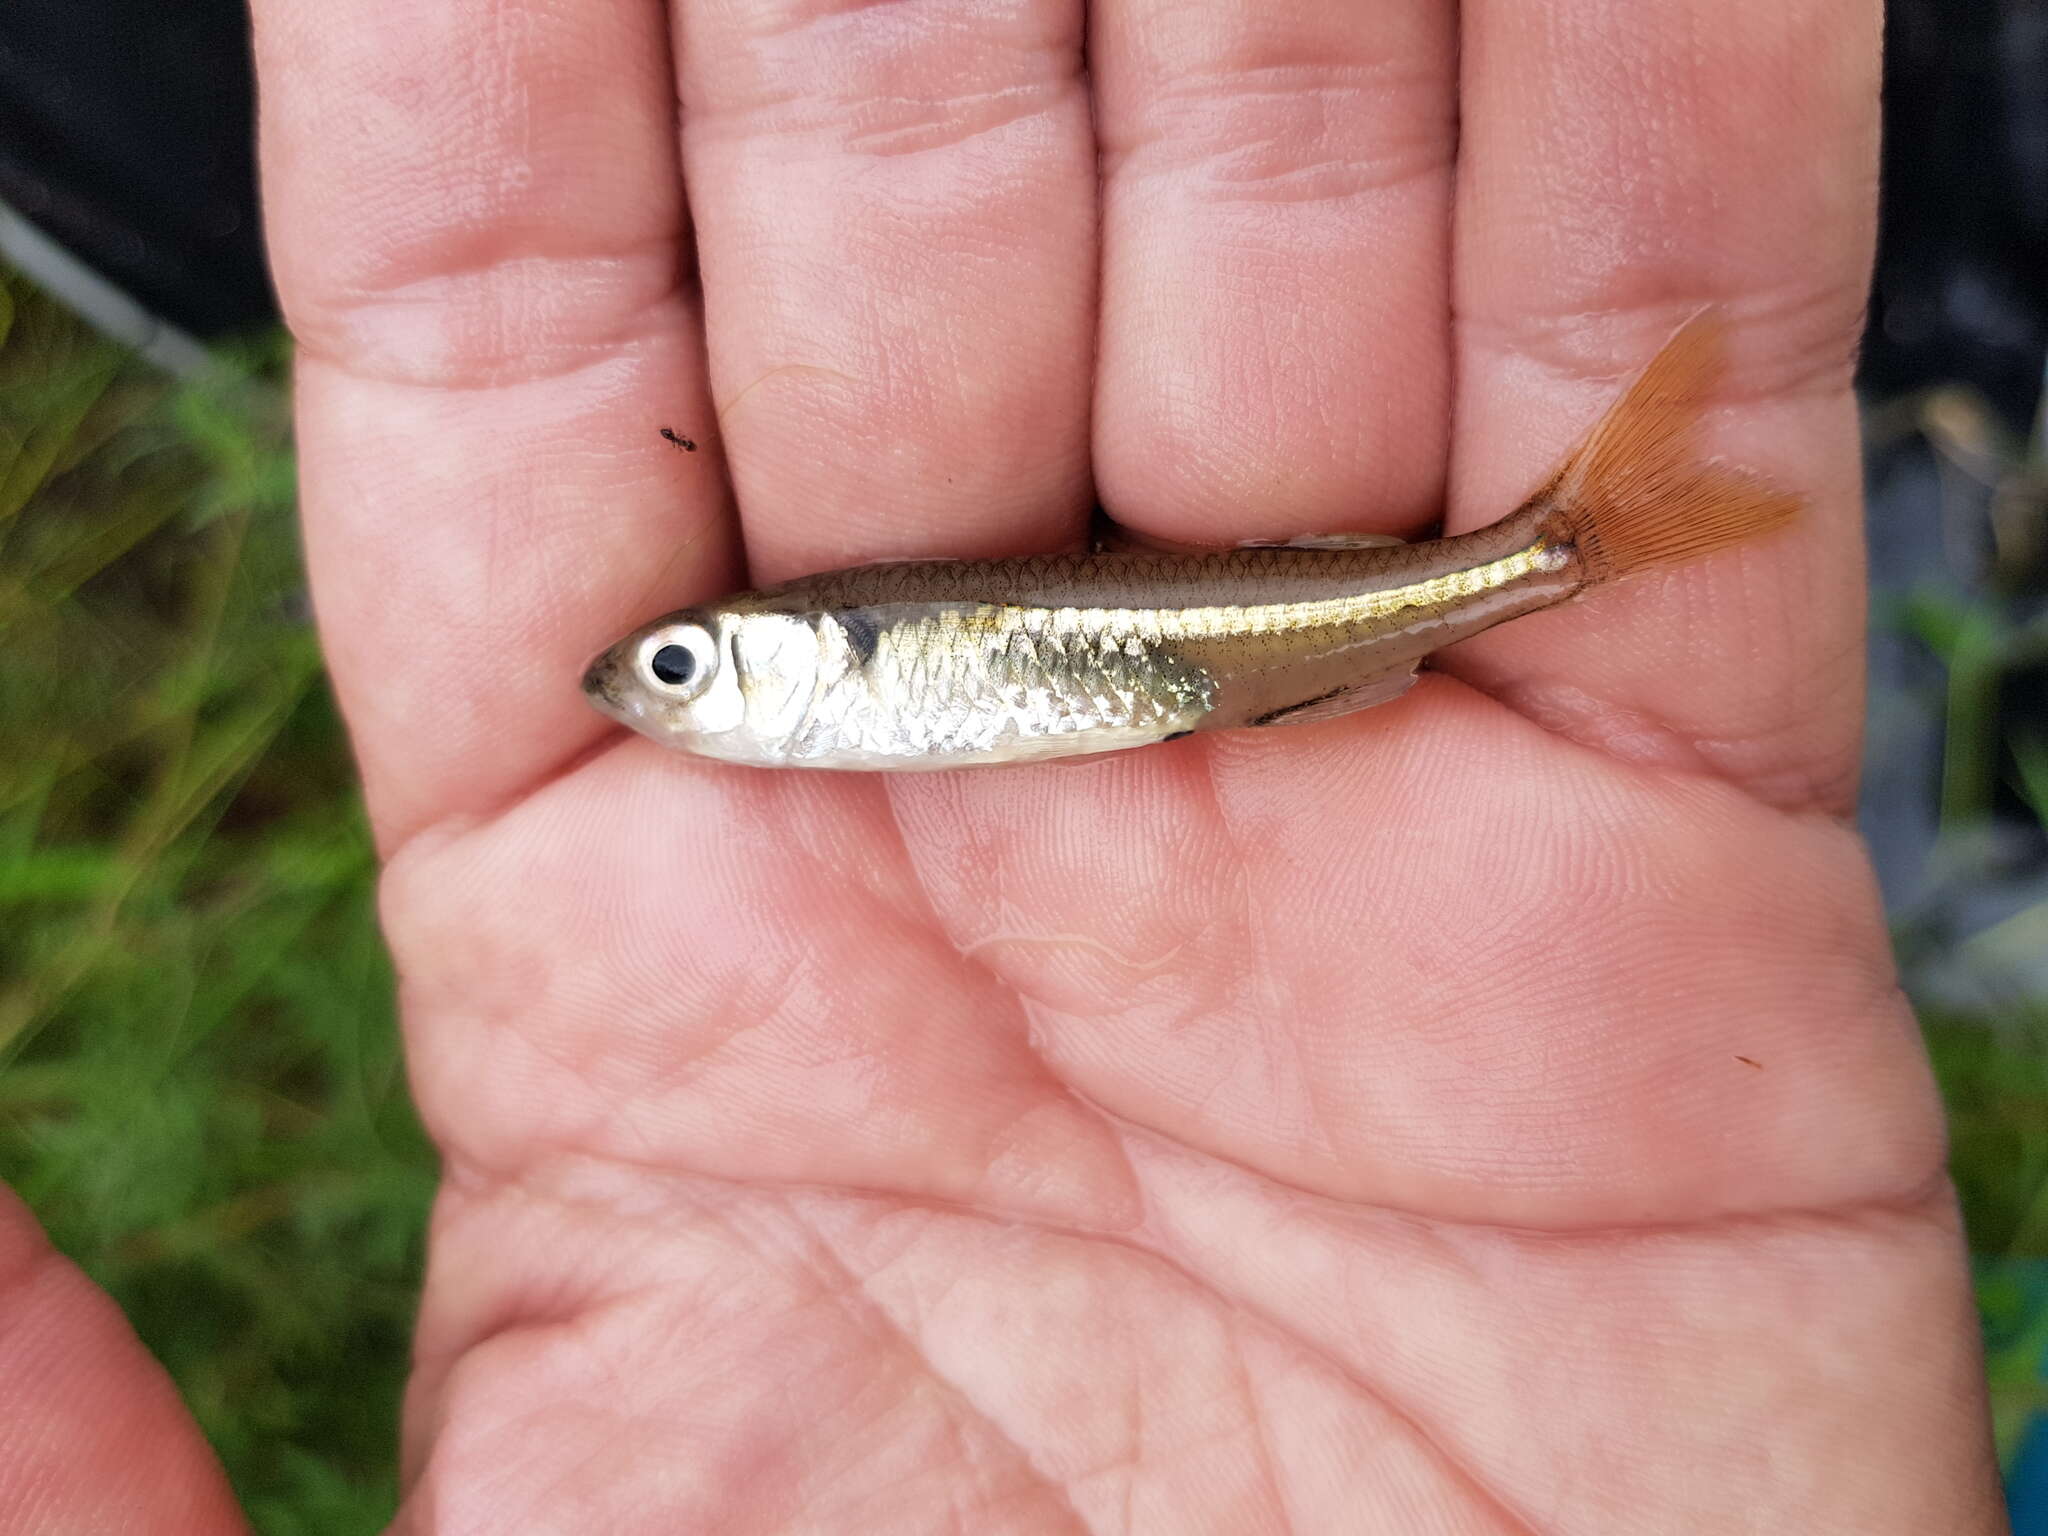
(673, 664)
(676, 660)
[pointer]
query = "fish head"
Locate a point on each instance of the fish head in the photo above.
(725, 683)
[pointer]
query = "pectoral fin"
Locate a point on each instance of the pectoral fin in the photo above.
(1342, 701)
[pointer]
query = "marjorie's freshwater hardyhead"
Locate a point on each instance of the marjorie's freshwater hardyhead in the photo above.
(945, 663)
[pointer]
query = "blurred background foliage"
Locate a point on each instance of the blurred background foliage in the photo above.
(200, 1088)
(201, 1094)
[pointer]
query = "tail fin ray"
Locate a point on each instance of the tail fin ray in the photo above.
(1634, 494)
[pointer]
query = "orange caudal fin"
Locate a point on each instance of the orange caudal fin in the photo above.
(1634, 494)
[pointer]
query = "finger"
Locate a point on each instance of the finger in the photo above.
(1622, 165)
(1276, 208)
(97, 1439)
(895, 210)
(474, 219)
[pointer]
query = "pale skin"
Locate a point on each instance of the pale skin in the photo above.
(1491, 1113)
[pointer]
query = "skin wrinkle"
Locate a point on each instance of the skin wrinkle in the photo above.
(968, 958)
(1580, 346)
(1135, 1444)
(1240, 171)
(1642, 739)
(607, 1123)
(786, 17)
(1125, 1470)
(999, 1132)
(1137, 971)
(1315, 1128)
(1140, 970)
(843, 379)
(603, 1099)
(1476, 1489)
(1935, 1205)
(524, 361)
(1270, 155)
(484, 1176)
(1269, 1465)
(1129, 1465)
(512, 1326)
(1333, 181)
(1313, 95)
(474, 1358)
(1930, 1199)
(869, 1314)
(486, 286)
(432, 1367)
(914, 125)
(1848, 1216)
(510, 365)
(1906, 1200)
(1379, 78)
(664, 582)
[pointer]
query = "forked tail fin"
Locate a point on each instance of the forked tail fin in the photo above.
(1634, 495)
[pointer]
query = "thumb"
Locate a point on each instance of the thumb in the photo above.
(95, 1436)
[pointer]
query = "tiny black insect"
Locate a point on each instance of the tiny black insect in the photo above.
(678, 439)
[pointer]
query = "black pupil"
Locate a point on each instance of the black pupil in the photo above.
(674, 665)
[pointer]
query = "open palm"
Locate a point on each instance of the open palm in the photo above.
(1490, 1112)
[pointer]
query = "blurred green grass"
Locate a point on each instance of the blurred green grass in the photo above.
(200, 1087)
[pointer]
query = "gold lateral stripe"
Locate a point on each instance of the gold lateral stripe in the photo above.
(993, 623)
(1359, 608)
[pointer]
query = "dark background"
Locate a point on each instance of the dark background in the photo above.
(125, 134)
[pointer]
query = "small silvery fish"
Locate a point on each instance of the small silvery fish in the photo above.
(944, 663)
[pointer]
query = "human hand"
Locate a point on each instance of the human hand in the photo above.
(1490, 1112)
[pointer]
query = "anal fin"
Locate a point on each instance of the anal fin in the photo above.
(1342, 701)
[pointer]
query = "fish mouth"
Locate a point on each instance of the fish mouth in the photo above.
(601, 687)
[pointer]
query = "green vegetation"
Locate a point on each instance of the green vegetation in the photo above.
(1991, 1056)
(200, 1087)
(1994, 1074)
